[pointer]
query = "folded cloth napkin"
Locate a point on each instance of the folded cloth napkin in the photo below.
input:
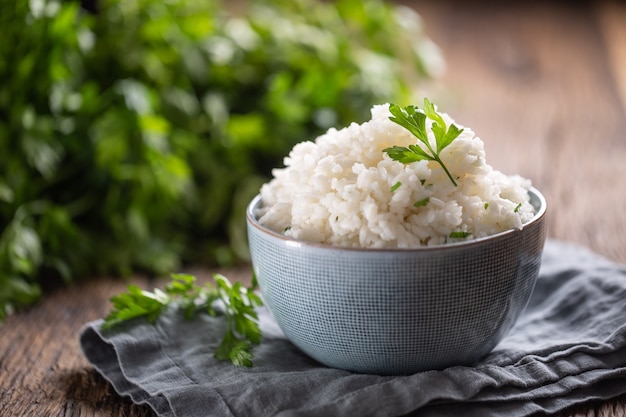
(568, 347)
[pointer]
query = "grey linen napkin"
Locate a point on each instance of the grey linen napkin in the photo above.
(568, 347)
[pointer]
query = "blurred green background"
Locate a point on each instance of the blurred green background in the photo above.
(134, 132)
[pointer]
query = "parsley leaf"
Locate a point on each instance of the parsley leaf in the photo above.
(136, 303)
(395, 186)
(460, 235)
(421, 203)
(237, 302)
(414, 120)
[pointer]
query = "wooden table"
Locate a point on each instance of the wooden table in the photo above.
(542, 83)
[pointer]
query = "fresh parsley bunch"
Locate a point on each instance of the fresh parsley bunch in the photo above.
(236, 301)
(133, 135)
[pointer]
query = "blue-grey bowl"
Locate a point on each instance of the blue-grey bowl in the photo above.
(398, 311)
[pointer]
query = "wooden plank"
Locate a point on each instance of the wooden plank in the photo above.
(43, 371)
(612, 24)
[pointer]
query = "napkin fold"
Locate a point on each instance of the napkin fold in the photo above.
(568, 347)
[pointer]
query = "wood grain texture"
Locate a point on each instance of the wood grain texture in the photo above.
(612, 22)
(542, 83)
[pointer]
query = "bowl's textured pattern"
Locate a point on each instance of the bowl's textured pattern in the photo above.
(398, 311)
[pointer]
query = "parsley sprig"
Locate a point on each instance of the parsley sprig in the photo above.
(237, 302)
(413, 119)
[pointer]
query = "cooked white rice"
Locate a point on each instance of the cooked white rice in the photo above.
(338, 190)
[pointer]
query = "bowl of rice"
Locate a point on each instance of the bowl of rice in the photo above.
(378, 266)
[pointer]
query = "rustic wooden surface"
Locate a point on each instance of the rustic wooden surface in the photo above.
(542, 83)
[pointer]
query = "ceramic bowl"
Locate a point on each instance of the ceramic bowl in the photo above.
(398, 311)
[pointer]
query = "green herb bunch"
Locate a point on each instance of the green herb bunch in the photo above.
(237, 305)
(132, 138)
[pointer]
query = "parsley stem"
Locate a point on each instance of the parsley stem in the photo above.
(437, 159)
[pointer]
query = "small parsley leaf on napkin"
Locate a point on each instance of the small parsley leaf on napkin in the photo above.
(234, 301)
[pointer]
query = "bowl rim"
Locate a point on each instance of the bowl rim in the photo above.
(540, 212)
